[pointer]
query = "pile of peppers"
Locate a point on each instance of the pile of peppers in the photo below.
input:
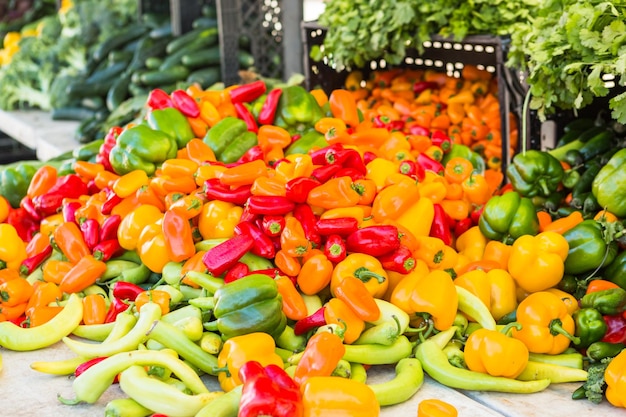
(282, 243)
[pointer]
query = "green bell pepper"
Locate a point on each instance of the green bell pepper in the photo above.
(141, 147)
(590, 326)
(616, 270)
(173, 123)
(310, 140)
(223, 134)
(238, 147)
(507, 217)
(588, 247)
(535, 173)
(247, 305)
(609, 183)
(465, 152)
(609, 302)
(297, 110)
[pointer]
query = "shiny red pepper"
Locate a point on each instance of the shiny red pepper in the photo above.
(224, 256)
(244, 114)
(335, 248)
(462, 226)
(306, 217)
(412, 169)
(252, 154)
(342, 226)
(239, 270)
(268, 110)
(107, 249)
(311, 322)
(25, 226)
(247, 93)
(117, 306)
(159, 99)
(441, 139)
(420, 86)
(429, 164)
(90, 228)
(351, 158)
(325, 172)
(88, 364)
(268, 205)
(368, 157)
(108, 229)
(272, 225)
(374, 240)
(31, 263)
(297, 189)
(268, 391)
(215, 190)
(69, 211)
(126, 290)
(29, 207)
(185, 104)
(263, 245)
(66, 186)
(110, 202)
(440, 226)
(400, 260)
(110, 139)
(327, 154)
(419, 130)
(616, 329)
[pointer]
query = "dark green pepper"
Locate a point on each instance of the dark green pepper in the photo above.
(534, 173)
(247, 305)
(507, 217)
(173, 123)
(88, 151)
(225, 132)
(465, 152)
(238, 147)
(297, 110)
(309, 140)
(609, 184)
(610, 302)
(588, 247)
(590, 326)
(616, 270)
(600, 350)
(141, 147)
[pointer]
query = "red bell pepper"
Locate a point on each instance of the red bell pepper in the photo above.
(616, 329)
(462, 226)
(108, 229)
(159, 99)
(224, 256)
(313, 321)
(270, 205)
(110, 202)
(25, 225)
(185, 104)
(126, 290)
(215, 190)
(247, 93)
(335, 248)
(374, 240)
(90, 228)
(268, 110)
(351, 158)
(419, 130)
(368, 156)
(440, 226)
(252, 154)
(325, 172)
(239, 270)
(429, 164)
(110, 139)
(441, 139)
(297, 189)
(31, 263)
(244, 114)
(420, 86)
(263, 245)
(29, 207)
(67, 186)
(400, 260)
(327, 154)
(412, 169)
(69, 211)
(268, 391)
(306, 217)
(341, 226)
(272, 225)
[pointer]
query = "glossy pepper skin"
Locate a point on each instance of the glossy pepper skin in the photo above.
(173, 123)
(611, 301)
(535, 173)
(247, 305)
(465, 152)
(338, 396)
(590, 326)
(14, 181)
(494, 353)
(588, 247)
(230, 139)
(616, 270)
(507, 217)
(615, 377)
(141, 147)
(607, 183)
(297, 110)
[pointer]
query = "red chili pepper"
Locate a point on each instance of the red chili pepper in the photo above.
(184, 103)
(126, 290)
(342, 226)
(92, 188)
(25, 226)
(419, 130)
(252, 154)
(412, 169)
(616, 329)
(429, 164)
(268, 110)
(380, 121)
(400, 260)
(335, 248)
(368, 157)
(29, 207)
(374, 240)
(90, 228)
(239, 270)
(272, 226)
(107, 249)
(306, 217)
(263, 245)
(351, 158)
(475, 214)
(29, 264)
(215, 190)
(441, 139)
(110, 202)
(159, 99)
(462, 226)
(117, 306)
(67, 186)
(327, 154)
(353, 173)
(268, 391)
(420, 86)
(224, 256)
(88, 364)
(246, 216)
(440, 226)
(108, 229)
(69, 211)
(244, 114)
(110, 139)
(247, 93)
(325, 172)
(266, 204)
(396, 125)
(297, 189)
(313, 321)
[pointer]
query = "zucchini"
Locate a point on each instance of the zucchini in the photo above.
(138, 90)
(76, 113)
(206, 77)
(590, 133)
(161, 31)
(87, 89)
(203, 58)
(597, 145)
(118, 92)
(146, 49)
(211, 35)
(93, 102)
(125, 36)
(580, 124)
(154, 62)
(119, 56)
(156, 78)
(110, 72)
(127, 111)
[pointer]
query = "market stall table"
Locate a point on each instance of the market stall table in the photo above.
(26, 392)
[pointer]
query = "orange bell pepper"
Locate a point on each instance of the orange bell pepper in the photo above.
(71, 242)
(320, 357)
(152, 247)
(84, 273)
(178, 236)
(293, 240)
(339, 313)
(334, 193)
(352, 291)
(315, 274)
(343, 106)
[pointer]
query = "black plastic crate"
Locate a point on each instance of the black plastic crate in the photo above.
(13, 151)
(442, 54)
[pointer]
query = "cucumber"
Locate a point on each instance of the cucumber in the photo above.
(107, 73)
(597, 145)
(204, 22)
(206, 77)
(246, 59)
(148, 48)
(76, 113)
(119, 56)
(159, 77)
(93, 102)
(183, 40)
(580, 124)
(154, 62)
(590, 133)
(161, 31)
(176, 57)
(118, 92)
(138, 90)
(203, 58)
(125, 36)
(87, 89)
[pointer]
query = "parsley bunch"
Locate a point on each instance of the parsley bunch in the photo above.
(568, 49)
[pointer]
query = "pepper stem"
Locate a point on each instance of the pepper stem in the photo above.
(365, 274)
(556, 328)
(544, 187)
(507, 328)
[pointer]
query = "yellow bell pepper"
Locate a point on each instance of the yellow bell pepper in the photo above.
(364, 267)
(152, 247)
(238, 350)
(338, 396)
(218, 219)
(379, 169)
(537, 262)
(401, 294)
(13, 248)
(493, 352)
(568, 299)
(471, 244)
(435, 253)
(546, 325)
(615, 377)
(133, 224)
(496, 289)
(294, 166)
